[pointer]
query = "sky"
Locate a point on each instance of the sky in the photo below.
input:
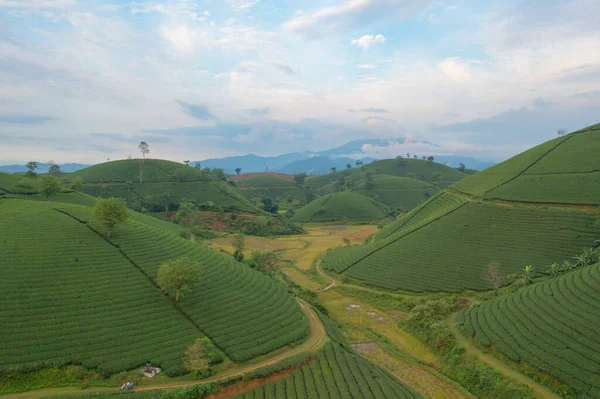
(87, 80)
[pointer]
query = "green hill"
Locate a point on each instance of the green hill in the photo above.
(430, 172)
(400, 192)
(340, 206)
(281, 191)
(165, 184)
(71, 296)
(446, 243)
(551, 325)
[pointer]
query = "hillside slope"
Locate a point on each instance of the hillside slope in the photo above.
(280, 190)
(165, 184)
(339, 206)
(551, 325)
(75, 281)
(446, 243)
(400, 192)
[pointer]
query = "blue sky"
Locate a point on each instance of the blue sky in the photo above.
(82, 81)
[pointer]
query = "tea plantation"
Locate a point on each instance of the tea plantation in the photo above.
(335, 373)
(341, 206)
(281, 191)
(63, 279)
(552, 325)
(165, 183)
(400, 192)
(493, 215)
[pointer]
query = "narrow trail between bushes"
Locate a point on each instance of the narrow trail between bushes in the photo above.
(539, 389)
(326, 276)
(316, 336)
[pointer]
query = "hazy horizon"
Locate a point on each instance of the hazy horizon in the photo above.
(86, 81)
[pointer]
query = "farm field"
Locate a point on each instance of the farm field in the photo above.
(492, 217)
(551, 325)
(336, 373)
(344, 205)
(280, 190)
(400, 192)
(232, 304)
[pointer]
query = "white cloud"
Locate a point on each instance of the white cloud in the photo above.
(180, 37)
(367, 66)
(349, 14)
(367, 41)
(455, 68)
(242, 5)
(37, 3)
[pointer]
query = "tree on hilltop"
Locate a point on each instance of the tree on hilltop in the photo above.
(430, 158)
(423, 157)
(178, 275)
(186, 162)
(333, 169)
(110, 212)
(348, 166)
(461, 167)
(198, 166)
(238, 170)
(50, 186)
(561, 132)
(415, 156)
(144, 149)
(299, 179)
(54, 169)
(358, 162)
(26, 184)
(32, 166)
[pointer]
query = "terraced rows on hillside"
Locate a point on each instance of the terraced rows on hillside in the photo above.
(281, 191)
(64, 280)
(244, 312)
(339, 206)
(69, 296)
(552, 325)
(335, 373)
(446, 243)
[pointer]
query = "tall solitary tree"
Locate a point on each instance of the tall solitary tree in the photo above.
(196, 359)
(26, 184)
(32, 166)
(238, 170)
(54, 169)
(110, 212)
(50, 186)
(186, 162)
(299, 179)
(561, 132)
(177, 275)
(198, 166)
(358, 162)
(461, 167)
(145, 149)
(333, 169)
(430, 158)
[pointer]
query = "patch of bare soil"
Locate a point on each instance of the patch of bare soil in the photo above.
(229, 391)
(364, 347)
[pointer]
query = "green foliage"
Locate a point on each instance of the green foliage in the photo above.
(269, 206)
(265, 262)
(269, 227)
(338, 206)
(551, 325)
(25, 185)
(186, 209)
(77, 183)
(74, 284)
(110, 212)
(199, 356)
(50, 186)
(178, 275)
(54, 169)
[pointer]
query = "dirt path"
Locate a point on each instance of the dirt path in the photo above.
(499, 366)
(315, 338)
(326, 276)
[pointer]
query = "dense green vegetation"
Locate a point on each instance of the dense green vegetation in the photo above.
(283, 192)
(551, 325)
(340, 206)
(399, 192)
(335, 373)
(165, 185)
(102, 294)
(425, 250)
(70, 296)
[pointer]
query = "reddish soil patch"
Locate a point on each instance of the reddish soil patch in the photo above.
(229, 391)
(249, 175)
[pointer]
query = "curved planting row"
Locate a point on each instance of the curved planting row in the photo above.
(244, 312)
(551, 325)
(68, 296)
(434, 257)
(335, 373)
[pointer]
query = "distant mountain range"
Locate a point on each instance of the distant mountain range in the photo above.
(311, 163)
(42, 168)
(321, 162)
